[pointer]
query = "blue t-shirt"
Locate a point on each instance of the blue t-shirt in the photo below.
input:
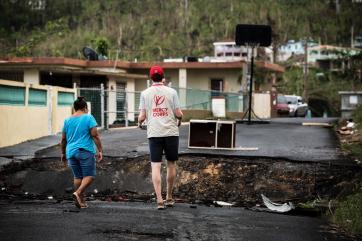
(77, 133)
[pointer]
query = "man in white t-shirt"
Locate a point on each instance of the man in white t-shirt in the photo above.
(160, 108)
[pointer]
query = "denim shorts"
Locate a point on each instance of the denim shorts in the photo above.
(83, 164)
(160, 145)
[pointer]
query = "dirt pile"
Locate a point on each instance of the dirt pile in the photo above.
(199, 179)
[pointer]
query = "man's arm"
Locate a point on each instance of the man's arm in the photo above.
(98, 142)
(63, 145)
(141, 117)
(179, 116)
(179, 113)
(142, 108)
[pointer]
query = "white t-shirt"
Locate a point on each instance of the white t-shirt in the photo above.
(160, 103)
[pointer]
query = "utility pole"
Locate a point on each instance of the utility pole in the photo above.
(352, 37)
(305, 71)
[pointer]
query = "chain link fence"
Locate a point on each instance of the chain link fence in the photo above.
(120, 107)
(194, 99)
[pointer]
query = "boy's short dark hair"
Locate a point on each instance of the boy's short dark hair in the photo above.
(80, 103)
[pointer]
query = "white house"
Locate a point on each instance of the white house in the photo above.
(293, 47)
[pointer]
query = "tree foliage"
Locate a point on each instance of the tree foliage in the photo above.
(155, 29)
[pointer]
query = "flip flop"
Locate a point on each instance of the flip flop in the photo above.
(83, 205)
(160, 206)
(77, 200)
(170, 202)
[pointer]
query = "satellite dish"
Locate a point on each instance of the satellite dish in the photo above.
(90, 54)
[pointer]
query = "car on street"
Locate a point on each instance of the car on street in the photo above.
(282, 105)
(297, 107)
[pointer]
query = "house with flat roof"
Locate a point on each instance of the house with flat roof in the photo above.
(292, 48)
(333, 58)
(196, 82)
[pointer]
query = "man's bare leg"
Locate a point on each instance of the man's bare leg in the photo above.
(171, 175)
(156, 180)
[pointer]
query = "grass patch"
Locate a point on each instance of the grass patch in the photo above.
(349, 213)
(353, 149)
(357, 116)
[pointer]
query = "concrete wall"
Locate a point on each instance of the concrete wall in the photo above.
(31, 76)
(130, 96)
(198, 78)
(19, 123)
(112, 100)
(201, 79)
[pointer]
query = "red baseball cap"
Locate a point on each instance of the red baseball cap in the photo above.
(156, 70)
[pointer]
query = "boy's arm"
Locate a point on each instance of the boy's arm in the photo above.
(98, 142)
(63, 145)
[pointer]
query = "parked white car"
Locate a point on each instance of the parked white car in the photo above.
(297, 108)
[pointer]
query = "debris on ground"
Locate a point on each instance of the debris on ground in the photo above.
(348, 129)
(281, 208)
(316, 124)
(223, 204)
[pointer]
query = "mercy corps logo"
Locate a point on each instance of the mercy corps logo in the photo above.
(158, 100)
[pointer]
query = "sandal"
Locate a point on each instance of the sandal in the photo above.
(160, 206)
(77, 200)
(83, 202)
(170, 202)
(83, 205)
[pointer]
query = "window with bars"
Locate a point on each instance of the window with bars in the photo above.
(65, 98)
(12, 95)
(37, 97)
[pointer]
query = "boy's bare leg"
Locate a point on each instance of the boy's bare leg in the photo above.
(86, 182)
(77, 183)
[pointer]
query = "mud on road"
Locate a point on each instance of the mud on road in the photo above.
(202, 179)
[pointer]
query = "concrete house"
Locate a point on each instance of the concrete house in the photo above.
(292, 48)
(122, 82)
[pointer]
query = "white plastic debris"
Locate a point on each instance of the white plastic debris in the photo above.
(225, 204)
(351, 124)
(282, 208)
(50, 197)
(95, 191)
(3, 189)
(114, 182)
(26, 193)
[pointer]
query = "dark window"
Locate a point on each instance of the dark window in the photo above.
(56, 79)
(12, 75)
(217, 86)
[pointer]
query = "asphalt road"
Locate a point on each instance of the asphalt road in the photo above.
(44, 220)
(281, 138)
(284, 138)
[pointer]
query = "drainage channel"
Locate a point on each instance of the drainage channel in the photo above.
(200, 179)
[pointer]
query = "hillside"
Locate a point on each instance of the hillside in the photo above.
(155, 29)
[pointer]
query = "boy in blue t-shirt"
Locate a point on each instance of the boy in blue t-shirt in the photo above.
(79, 137)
